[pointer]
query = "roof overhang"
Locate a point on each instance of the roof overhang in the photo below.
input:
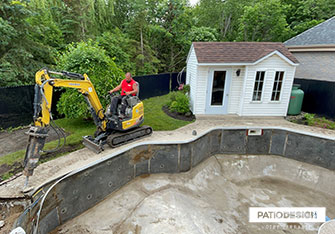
(253, 63)
(311, 48)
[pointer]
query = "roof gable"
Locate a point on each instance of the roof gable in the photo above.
(239, 52)
(321, 34)
(189, 53)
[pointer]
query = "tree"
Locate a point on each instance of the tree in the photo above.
(128, 54)
(304, 14)
(221, 15)
(140, 16)
(79, 19)
(173, 23)
(202, 34)
(117, 46)
(89, 58)
(263, 21)
(20, 54)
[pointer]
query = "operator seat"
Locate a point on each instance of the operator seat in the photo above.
(133, 100)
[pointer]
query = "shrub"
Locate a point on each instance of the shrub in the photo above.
(171, 99)
(186, 89)
(89, 58)
(179, 103)
(310, 118)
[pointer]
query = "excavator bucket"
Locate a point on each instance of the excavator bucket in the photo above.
(37, 136)
(89, 142)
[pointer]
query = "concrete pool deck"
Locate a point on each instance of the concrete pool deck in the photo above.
(78, 159)
(214, 197)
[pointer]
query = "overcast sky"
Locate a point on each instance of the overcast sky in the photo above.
(193, 2)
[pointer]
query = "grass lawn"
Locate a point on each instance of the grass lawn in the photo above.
(153, 116)
(156, 118)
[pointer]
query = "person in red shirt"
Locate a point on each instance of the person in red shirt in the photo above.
(128, 86)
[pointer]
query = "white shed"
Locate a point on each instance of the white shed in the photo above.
(243, 78)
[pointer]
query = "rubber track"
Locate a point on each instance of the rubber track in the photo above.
(122, 138)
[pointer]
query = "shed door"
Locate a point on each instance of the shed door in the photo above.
(218, 91)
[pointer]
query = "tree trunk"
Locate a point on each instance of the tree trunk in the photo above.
(227, 25)
(245, 33)
(171, 59)
(254, 34)
(222, 25)
(142, 50)
(142, 47)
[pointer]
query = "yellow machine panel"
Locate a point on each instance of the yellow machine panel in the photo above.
(137, 115)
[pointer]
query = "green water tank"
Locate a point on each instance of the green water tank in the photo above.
(297, 96)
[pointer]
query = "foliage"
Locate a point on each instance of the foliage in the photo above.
(144, 37)
(117, 46)
(319, 122)
(20, 54)
(202, 34)
(221, 15)
(263, 21)
(304, 14)
(89, 58)
(179, 103)
(174, 17)
(127, 53)
(309, 118)
(78, 18)
(186, 89)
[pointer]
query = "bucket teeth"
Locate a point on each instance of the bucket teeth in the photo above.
(89, 143)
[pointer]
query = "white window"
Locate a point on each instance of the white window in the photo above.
(258, 88)
(277, 86)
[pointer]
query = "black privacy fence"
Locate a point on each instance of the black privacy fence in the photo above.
(16, 103)
(319, 97)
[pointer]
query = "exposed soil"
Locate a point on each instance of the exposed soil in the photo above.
(12, 169)
(176, 115)
(300, 119)
(17, 140)
(10, 211)
(12, 141)
(18, 166)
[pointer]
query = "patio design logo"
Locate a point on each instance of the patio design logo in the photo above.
(287, 214)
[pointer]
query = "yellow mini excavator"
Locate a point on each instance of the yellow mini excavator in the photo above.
(111, 129)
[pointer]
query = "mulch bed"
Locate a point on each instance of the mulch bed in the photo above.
(176, 115)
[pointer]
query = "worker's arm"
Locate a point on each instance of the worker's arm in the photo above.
(135, 89)
(117, 88)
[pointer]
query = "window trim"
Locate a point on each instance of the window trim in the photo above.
(282, 85)
(253, 86)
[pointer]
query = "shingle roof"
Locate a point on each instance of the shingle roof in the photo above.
(238, 52)
(321, 34)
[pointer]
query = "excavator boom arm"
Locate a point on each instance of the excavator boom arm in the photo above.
(46, 84)
(42, 110)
